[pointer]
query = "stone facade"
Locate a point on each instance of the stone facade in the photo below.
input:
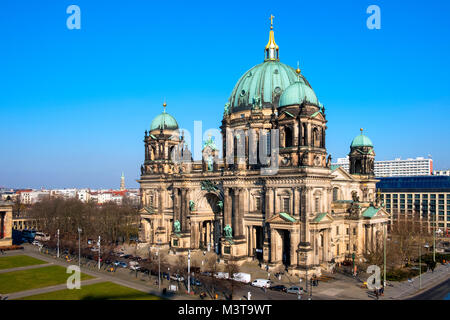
(274, 196)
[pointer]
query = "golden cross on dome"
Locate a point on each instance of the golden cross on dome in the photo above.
(164, 105)
(271, 21)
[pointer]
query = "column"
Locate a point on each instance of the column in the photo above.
(296, 202)
(183, 215)
(267, 203)
(293, 245)
(227, 207)
(272, 246)
(250, 240)
(239, 212)
(295, 135)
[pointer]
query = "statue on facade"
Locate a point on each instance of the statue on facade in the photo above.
(354, 210)
(220, 205)
(191, 205)
(228, 231)
(329, 161)
(256, 103)
(142, 169)
(355, 196)
(176, 226)
(226, 109)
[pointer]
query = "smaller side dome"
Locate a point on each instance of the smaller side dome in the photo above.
(298, 92)
(164, 121)
(361, 141)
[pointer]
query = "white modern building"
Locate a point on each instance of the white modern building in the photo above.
(419, 166)
(441, 172)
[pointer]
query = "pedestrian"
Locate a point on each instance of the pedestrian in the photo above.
(382, 290)
(376, 293)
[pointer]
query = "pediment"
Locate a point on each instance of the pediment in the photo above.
(340, 174)
(318, 116)
(323, 218)
(282, 218)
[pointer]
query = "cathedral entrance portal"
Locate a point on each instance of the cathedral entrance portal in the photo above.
(286, 238)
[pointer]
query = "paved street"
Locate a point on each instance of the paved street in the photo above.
(439, 292)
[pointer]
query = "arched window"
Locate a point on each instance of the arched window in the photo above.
(317, 204)
(335, 194)
(316, 138)
(305, 135)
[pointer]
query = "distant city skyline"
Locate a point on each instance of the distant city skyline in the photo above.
(75, 103)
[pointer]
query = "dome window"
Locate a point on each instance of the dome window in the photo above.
(242, 93)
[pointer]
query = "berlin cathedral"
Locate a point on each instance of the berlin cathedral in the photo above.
(304, 215)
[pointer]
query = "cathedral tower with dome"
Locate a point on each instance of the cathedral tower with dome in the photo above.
(274, 196)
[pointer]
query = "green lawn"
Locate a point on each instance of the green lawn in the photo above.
(18, 261)
(34, 278)
(97, 291)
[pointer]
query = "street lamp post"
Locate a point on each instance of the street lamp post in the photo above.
(420, 265)
(434, 237)
(159, 265)
(79, 247)
(189, 271)
(57, 244)
(384, 255)
(99, 238)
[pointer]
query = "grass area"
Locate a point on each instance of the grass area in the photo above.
(97, 291)
(18, 261)
(34, 278)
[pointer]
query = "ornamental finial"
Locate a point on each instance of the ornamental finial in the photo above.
(361, 130)
(271, 50)
(164, 105)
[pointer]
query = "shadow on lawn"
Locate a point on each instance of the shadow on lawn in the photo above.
(134, 296)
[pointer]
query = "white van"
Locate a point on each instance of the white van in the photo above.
(242, 277)
(221, 275)
(262, 283)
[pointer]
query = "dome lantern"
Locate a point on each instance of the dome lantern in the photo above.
(271, 50)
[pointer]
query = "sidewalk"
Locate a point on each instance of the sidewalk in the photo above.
(405, 289)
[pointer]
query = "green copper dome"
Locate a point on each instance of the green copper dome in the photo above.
(261, 84)
(298, 92)
(164, 121)
(361, 141)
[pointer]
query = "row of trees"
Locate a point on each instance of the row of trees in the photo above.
(111, 221)
(406, 240)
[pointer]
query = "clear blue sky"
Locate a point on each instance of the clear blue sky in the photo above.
(74, 104)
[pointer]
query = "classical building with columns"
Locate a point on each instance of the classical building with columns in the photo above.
(274, 195)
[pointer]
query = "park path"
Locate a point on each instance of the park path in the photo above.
(21, 294)
(26, 267)
(99, 275)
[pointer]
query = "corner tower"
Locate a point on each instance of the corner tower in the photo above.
(362, 156)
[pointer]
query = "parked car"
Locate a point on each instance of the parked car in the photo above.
(279, 287)
(222, 275)
(120, 264)
(195, 282)
(242, 277)
(177, 277)
(296, 290)
(36, 243)
(262, 283)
